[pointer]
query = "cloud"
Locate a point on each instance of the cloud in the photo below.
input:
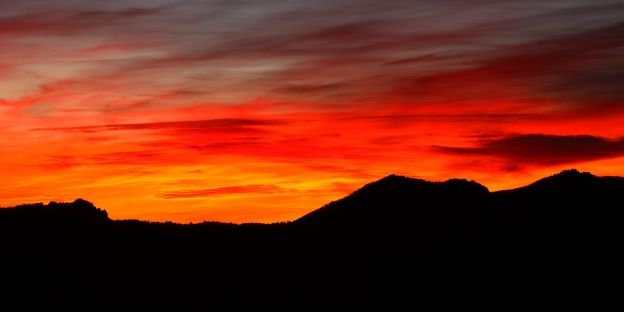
(450, 117)
(318, 89)
(220, 191)
(63, 23)
(128, 158)
(364, 52)
(211, 125)
(573, 71)
(59, 163)
(542, 149)
(353, 88)
(409, 60)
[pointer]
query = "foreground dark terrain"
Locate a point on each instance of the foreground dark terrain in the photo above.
(394, 240)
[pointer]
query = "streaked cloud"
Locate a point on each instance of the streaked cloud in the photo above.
(226, 190)
(542, 149)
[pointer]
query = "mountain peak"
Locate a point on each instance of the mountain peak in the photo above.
(471, 184)
(568, 175)
(572, 173)
(79, 211)
(396, 195)
(394, 180)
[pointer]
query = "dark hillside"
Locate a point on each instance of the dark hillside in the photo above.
(559, 239)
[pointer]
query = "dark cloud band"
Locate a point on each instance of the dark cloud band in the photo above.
(542, 149)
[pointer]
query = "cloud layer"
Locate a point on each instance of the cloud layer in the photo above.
(150, 108)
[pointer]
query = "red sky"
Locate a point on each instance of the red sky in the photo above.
(263, 111)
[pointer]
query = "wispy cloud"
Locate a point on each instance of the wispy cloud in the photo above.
(221, 191)
(213, 125)
(52, 22)
(582, 68)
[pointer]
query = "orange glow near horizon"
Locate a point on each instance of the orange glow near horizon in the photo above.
(274, 167)
(260, 112)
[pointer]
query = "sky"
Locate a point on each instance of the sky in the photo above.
(262, 111)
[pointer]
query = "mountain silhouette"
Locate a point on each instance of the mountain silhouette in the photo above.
(398, 239)
(395, 199)
(79, 212)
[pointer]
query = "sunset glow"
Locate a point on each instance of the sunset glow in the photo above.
(263, 111)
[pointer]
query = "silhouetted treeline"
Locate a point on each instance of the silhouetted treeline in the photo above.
(397, 240)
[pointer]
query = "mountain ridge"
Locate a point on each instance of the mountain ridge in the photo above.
(397, 239)
(392, 182)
